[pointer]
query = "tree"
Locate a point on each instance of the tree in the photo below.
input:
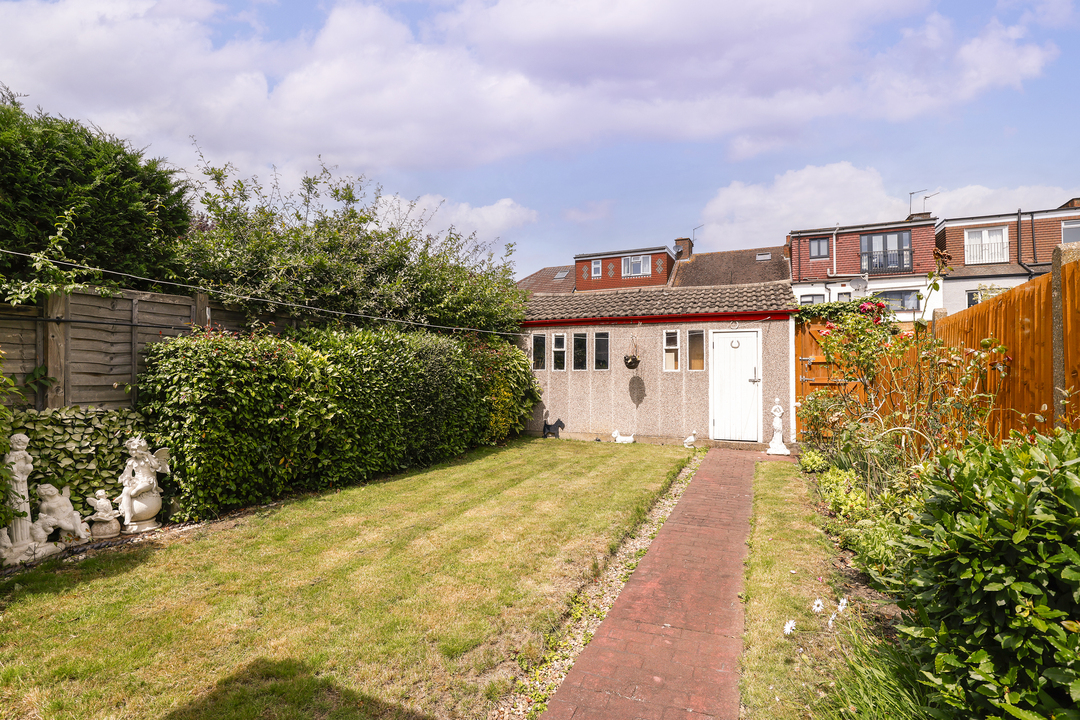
(371, 257)
(119, 211)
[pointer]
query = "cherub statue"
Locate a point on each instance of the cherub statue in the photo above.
(777, 447)
(21, 464)
(141, 499)
(57, 506)
(104, 510)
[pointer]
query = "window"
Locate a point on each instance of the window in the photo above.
(636, 265)
(986, 245)
(696, 349)
(600, 351)
(843, 297)
(581, 343)
(1070, 231)
(539, 351)
(886, 252)
(671, 350)
(973, 298)
(558, 352)
(811, 299)
(900, 299)
(764, 256)
(819, 248)
(596, 268)
(561, 274)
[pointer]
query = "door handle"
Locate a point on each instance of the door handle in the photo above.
(755, 379)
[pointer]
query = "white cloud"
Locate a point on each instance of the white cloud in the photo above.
(761, 215)
(492, 79)
(489, 222)
(590, 211)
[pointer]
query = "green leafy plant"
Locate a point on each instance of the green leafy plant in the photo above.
(7, 510)
(812, 461)
(990, 576)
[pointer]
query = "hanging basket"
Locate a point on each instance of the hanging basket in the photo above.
(631, 359)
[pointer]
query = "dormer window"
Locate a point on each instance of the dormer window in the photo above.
(596, 268)
(633, 265)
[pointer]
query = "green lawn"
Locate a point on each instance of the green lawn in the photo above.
(404, 599)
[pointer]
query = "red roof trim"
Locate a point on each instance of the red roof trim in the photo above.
(654, 319)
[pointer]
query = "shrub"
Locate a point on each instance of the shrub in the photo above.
(251, 418)
(842, 495)
(78, 448)
(991, 579)
(812, 461)
(7, 387)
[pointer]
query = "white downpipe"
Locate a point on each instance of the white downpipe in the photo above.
(833, 273)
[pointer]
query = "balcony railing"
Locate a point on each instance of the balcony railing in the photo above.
(883, 262)
(986, 252)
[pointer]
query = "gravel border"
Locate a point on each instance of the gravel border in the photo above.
(589, 607)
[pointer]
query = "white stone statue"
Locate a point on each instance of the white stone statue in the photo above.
(58, 507)
(776, 447)
(21, 465)
(105, 523)
(140, 501)
(36, 548)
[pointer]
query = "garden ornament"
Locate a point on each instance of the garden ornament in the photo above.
(776, 447)
(57, 506)
(140, 501)
(105, 523)
(21, 465)
(690, 440)
(622, 438)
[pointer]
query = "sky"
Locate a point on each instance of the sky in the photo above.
(577, 126)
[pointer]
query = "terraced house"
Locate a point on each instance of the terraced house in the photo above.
(659, 343)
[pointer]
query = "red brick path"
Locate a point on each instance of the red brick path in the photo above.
(670, 646)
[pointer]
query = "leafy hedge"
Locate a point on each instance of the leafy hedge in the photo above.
(251, 418)
(76, 447)
(992, 579)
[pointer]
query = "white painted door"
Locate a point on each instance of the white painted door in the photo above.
(735, 386)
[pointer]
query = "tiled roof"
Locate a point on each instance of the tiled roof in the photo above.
(645, 301)
(732, 267)
(544, 281)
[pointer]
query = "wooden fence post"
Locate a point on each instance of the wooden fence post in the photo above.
(1063, 255)
(202, 309)
(56, 350)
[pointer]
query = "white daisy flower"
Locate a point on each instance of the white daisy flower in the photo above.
(831, 620)
(819, 606)
(789, 627)
(843, 604)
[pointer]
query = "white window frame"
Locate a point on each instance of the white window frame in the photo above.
(1068, 225)
(676, 347)
(985, 256)
(644, 263)
(584, 336)
(607, 350)
(555, 338)
(597, 268)
(804, 301)
(543, 360)
(704, 351)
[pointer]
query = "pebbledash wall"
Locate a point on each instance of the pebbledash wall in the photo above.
(654, 404)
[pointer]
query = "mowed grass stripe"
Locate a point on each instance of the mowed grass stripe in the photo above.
(404, 598)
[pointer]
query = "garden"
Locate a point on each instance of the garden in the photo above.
(972, 539)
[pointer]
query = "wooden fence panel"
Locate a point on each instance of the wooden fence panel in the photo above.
(1070, 330)
(21, 341)
(1022, 320)
(98, 351)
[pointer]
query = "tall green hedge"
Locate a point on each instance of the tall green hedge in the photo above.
(251, 418)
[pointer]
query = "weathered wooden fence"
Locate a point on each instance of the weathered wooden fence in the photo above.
(93, 346)
(1039, 323)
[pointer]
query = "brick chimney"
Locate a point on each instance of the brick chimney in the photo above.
(1074, 203)
(687, 246)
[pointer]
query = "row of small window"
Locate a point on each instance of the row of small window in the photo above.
(695, 350)
(895, 299)
(893, 242)
(631, 265)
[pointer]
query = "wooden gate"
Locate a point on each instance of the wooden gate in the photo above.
(812, 370)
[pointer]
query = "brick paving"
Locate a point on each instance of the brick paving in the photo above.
(669, 647)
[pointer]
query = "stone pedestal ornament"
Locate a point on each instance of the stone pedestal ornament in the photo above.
(140, 501)
(776, 447)
(105, 523)
(21, 465)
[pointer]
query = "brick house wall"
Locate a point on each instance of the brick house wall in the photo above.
(611, 276)
(1047, 232)
(848, 251)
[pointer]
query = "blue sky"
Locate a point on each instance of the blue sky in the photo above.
(570, 126)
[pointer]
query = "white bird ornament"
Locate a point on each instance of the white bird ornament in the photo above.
(689, 441)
